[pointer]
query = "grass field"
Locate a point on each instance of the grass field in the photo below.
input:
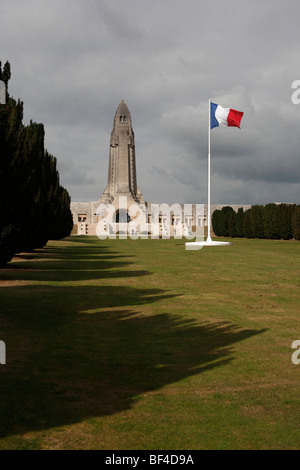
(126, 344)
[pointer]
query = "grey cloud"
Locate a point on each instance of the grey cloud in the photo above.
(74, 60)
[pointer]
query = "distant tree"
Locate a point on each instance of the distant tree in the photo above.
(223, 221)
(226, 213)
(239, 224)
(296, 223)
(247, 224)
(284, 215)
(216, 218)
(256, 216)
(270, 222)
(232, 224)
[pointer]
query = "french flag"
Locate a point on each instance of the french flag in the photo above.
(224, 116)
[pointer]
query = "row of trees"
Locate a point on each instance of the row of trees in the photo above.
(34, 206)
(277, 221)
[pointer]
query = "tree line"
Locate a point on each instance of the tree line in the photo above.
(274, 221)
(34, 206)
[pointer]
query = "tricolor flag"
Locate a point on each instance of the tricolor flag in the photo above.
(224, 116)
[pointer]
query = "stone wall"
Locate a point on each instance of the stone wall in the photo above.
(85, 218)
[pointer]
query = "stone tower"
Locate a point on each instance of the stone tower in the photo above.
(122, 179)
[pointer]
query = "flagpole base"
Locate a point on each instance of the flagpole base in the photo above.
(201, 244)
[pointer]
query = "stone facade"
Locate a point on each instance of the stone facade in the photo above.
(86, 216)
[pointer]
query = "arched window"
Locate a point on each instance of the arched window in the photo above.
(124, 119)
(122, 217)
(121, 118)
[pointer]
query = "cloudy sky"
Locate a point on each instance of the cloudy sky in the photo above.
(74, 60)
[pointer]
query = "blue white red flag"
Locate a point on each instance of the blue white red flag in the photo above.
(220, 116)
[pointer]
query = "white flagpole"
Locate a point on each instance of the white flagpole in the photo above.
(208, 179)
(197, 245)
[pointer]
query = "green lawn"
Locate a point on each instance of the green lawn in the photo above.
(123, 344)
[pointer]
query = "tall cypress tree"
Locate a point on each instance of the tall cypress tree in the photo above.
(11, 130)
(35, 207)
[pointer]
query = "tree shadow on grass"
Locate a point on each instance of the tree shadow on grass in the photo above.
(69, 263)
(77, 353)
(81, 351)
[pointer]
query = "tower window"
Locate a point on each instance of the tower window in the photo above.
(82, 217)
(121, 118)
(124, 119)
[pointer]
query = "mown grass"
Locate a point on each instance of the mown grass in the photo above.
(124, 344)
